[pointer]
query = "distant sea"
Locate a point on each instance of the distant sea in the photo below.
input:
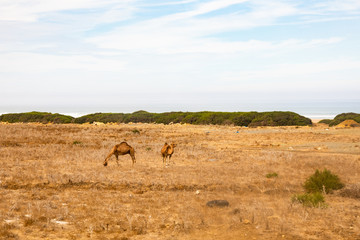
(312, 110)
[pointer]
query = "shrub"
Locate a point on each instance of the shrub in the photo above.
(140, 116)
(352, 191)
(76, 142)
(323, 181)
(279, 119)
(271, 175)
(40, 117)
(345, 116)
(310, 199)
(326, 121)
(136, 131)
(244, 119)
(101, 117)
(5, 232)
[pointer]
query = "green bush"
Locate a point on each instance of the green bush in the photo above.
(140, 116)
(322, 181)
(135, 131)
(271, 175)
(101, 117)
(40, 117)
(345, 116)
(326, 121)
(244, 119)
(279, 119)
(310, 199)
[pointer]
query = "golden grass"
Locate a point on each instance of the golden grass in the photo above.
(53, 184)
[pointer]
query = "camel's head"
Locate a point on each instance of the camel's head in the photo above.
(173, 145)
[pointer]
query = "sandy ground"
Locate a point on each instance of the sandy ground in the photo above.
(53, 184)
(316, 120)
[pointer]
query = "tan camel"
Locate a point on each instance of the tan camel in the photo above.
(121, 149)
(167, 151)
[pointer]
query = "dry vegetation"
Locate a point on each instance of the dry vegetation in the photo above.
(53, 184)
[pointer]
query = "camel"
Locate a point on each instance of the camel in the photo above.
(121, 149)
(167, 151)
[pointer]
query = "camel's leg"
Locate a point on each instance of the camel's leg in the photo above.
(170, 158)
(117, 158)
(132, 154)
(163, 156)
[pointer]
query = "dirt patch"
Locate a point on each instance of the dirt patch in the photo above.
(348, 124)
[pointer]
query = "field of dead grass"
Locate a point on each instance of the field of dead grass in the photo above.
(53, 184)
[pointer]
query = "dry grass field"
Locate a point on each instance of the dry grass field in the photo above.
(53, 184)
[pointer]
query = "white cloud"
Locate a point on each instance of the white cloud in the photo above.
(337, 6)
(184, 32)
(32, 10)
(208, 7)
(37, 63)
(163, 3)
(172, 43)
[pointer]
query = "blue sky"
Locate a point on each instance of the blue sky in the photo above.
(188, 55)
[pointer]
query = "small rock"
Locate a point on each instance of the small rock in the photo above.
(246, 221)
(59, 222)
(217, 203)
(8, 221)
(139, 191)
(197, 192)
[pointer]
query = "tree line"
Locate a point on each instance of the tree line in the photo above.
(249, 119)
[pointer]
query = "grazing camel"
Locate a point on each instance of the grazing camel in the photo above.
(167, 151)
(121, 149)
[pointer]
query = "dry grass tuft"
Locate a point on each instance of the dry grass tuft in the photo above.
(6, 231)
(351, 191)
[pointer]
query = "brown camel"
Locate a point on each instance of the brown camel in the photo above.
(167, 151)
(121, 149)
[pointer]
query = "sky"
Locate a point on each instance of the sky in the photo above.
(179, 55)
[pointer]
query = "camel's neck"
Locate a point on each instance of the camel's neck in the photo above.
(170, 149)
